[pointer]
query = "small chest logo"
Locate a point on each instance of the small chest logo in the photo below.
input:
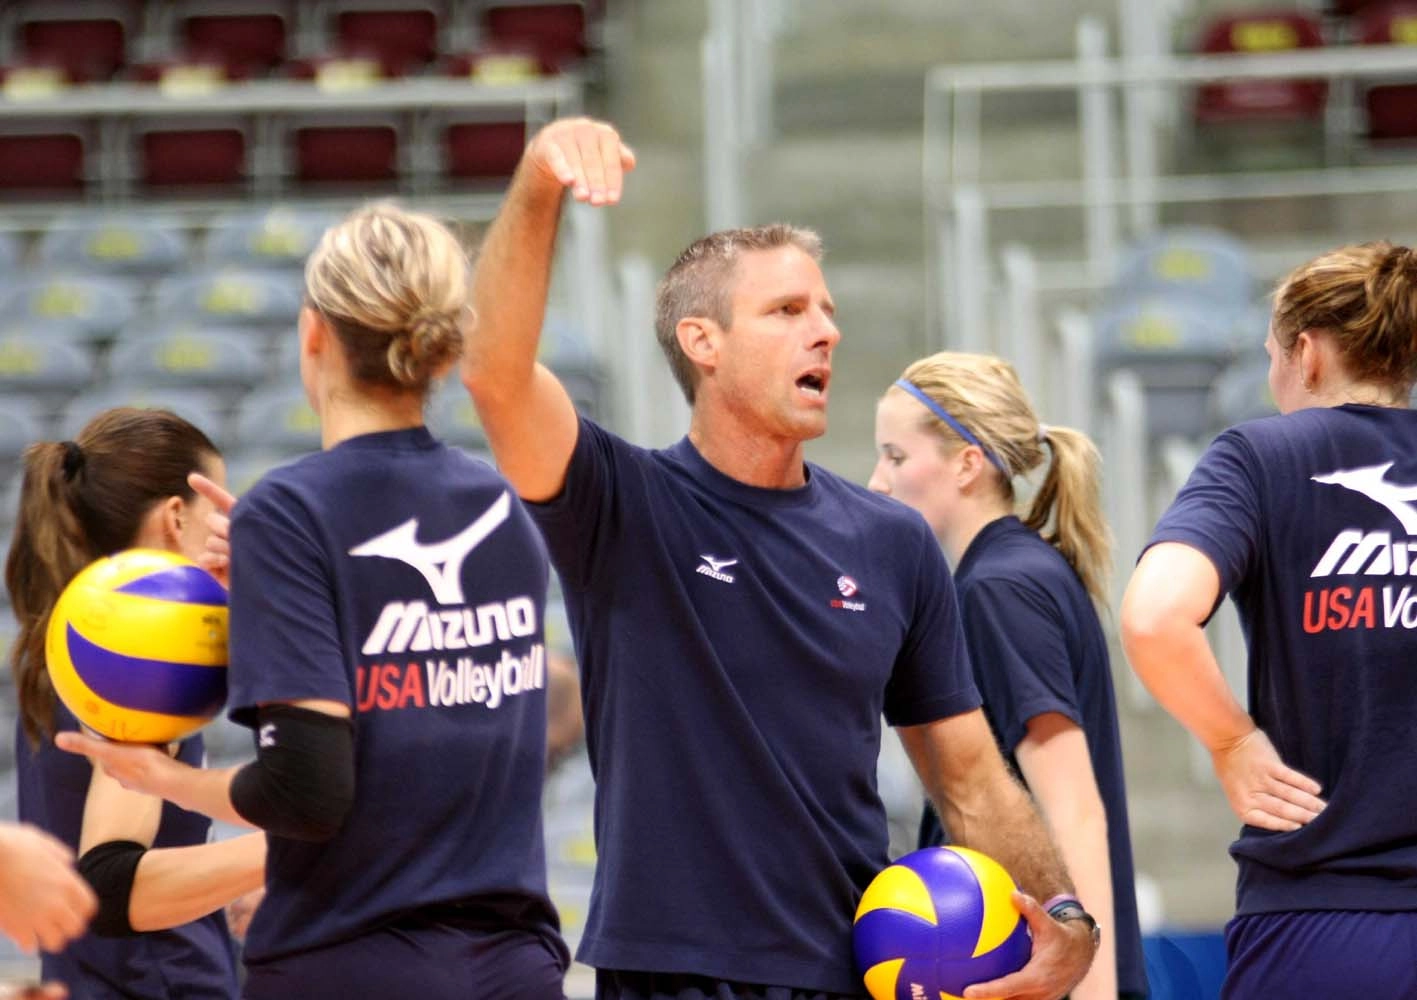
(714, 567)
(848, 588)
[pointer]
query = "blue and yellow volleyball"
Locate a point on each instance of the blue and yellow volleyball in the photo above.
(936, 921)
(136, 646)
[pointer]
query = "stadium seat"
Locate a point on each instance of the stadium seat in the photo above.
(38, 158)
(1280, 30)
(97, 305)
(222, 364)
(1189, 260)
(21, 424)
(245, 468)
(277, 419)
(46, 369)
(276, 238)
(481, 150)
(1176, 346)
(11, 254)
(555, 32)
(403, 36)
(453, 418)
(250, 38)
(88, 38)
(350, 150)
(1391, 107)
(236, 297)
(186, 154)
(111, 243)
(193, 405)
(1241, 392)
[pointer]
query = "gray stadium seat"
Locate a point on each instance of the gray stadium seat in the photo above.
(1176, 346)
(11, 251)
(1241, 392)
(1188, 260)
(123, 244)
(245, 468)
(193, 405)
(98, 306)
(277, 419)
(21, 424)
(452, 418)
(46, 369)
(180, 357)
(231, 297)
(279, 237)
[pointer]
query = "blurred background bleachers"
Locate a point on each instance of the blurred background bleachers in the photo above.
(1102, 190)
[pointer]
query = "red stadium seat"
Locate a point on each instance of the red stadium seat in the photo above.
(483, 151)
(556, 32)
(246, 43)
(1250, 100)
(42, 160)
(404, 39)
(1391, 107)
(91, 49)
(357, 152)
(179, 155)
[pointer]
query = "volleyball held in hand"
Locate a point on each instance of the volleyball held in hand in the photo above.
(936, 921)
(136, 646)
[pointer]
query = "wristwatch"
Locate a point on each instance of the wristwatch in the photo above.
(1064, 908)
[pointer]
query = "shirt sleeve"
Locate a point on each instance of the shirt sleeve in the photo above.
(931, 679)
(1020, 656)
(1218, 511)
(578, 521)
(285, 641)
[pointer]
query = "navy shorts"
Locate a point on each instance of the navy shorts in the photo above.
(1334, 954)
(428, 960)
(614, 985)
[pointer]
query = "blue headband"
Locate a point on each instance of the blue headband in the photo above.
(954, 424)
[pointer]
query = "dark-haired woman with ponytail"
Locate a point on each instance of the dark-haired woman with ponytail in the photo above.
(1308, 520)
(123, 482)
(952, 434)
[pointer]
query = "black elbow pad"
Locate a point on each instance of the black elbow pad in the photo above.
(110, 868)
(301, 784)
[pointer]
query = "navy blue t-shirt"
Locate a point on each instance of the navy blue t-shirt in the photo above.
(1311, 522)
(1037, 646)
(402, 578)
(738, 647)
(194, 961)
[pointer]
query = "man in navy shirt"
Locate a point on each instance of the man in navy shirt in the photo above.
(742, 620)
(1307, 520)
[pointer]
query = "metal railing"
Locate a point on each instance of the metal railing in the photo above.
(961, 201)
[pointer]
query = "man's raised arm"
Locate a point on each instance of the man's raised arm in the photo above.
(530, 421)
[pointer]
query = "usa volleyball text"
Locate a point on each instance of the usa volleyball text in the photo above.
(391, 686)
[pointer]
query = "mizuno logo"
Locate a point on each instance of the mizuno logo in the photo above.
(440, 563)
(1371, 481)
(714, 567)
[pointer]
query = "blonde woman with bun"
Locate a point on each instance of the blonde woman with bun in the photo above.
(1307, 520)
(954, 434)
(387, 652)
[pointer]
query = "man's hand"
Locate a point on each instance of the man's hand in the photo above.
(1062, 953)
(584, 155)
(44, 902)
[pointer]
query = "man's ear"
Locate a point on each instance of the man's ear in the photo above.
(700, 339)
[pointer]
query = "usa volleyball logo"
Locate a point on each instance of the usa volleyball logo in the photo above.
(847, 586)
